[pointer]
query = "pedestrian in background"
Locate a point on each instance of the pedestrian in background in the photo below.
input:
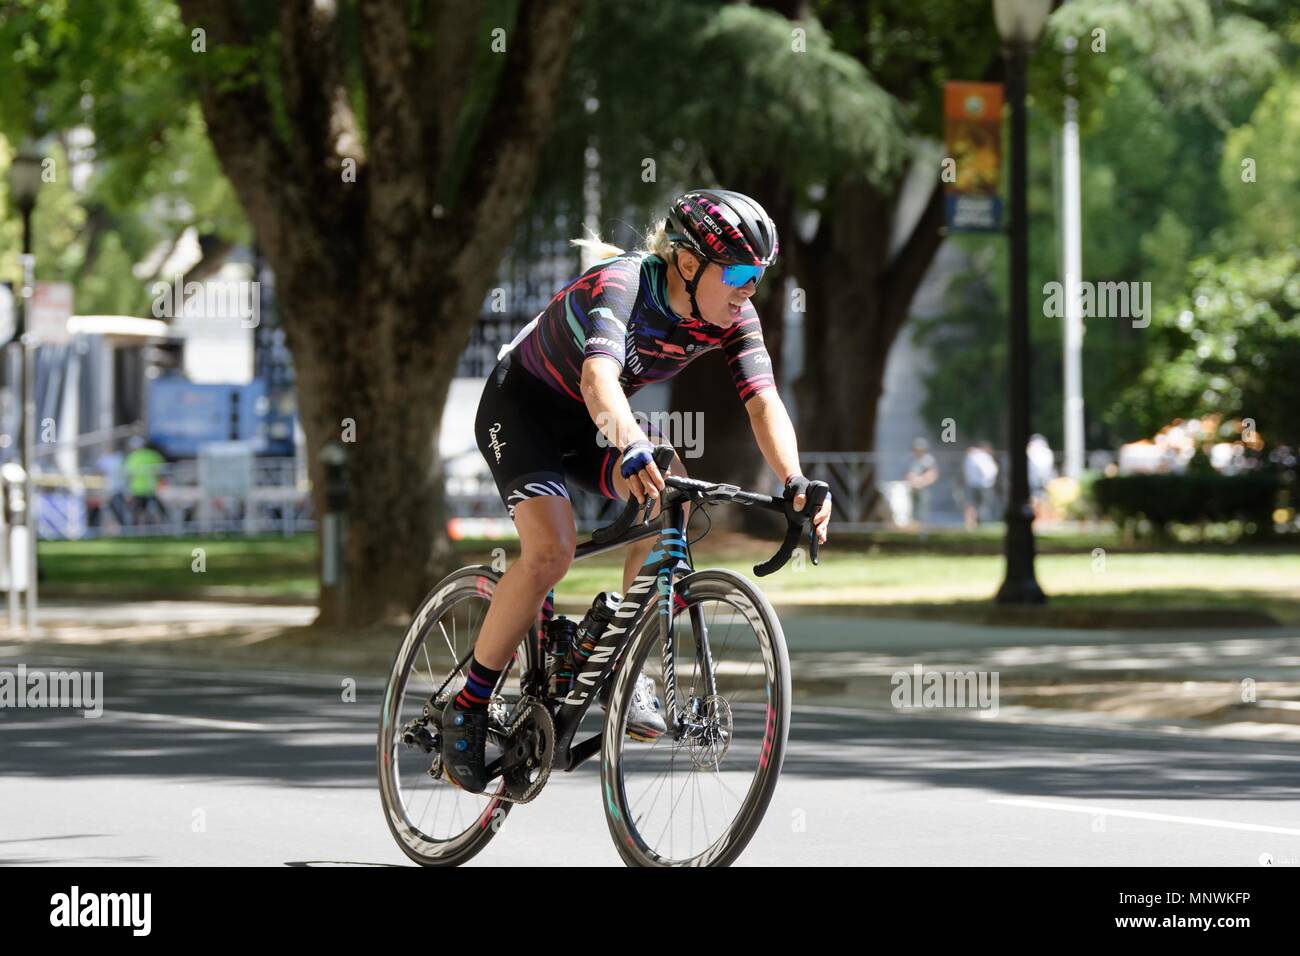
(113, 500)
(979, 473)
(922, 472)
(1042, 469)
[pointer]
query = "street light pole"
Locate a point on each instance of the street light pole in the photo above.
(25, 182)
(1072, 259)
(1019, 22)
(29, 417)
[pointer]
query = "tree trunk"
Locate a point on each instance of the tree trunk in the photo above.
(384, 408)
(857, 301)
(383, 248)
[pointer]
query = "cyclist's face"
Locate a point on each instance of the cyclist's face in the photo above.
(720, 304)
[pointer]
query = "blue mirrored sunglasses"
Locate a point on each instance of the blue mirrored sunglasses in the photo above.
(737, 276)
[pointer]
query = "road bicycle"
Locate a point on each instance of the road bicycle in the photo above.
(692, 797)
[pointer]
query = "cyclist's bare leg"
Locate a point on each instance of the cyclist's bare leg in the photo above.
(637, 551)
(547, 536)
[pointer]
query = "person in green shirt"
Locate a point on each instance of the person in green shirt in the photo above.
(142, 467)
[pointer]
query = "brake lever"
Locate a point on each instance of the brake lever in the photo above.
(818, 492)
(815, 494)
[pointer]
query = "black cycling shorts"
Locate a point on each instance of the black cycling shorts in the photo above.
(536, 440)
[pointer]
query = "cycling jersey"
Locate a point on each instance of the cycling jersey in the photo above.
(532, 426)
(619, 308)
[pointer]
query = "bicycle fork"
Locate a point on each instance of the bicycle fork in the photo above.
(689, 721)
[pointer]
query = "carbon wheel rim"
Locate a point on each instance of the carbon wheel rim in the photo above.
(431, 818)
(670, 803)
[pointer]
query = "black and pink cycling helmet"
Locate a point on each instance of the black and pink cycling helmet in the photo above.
(727, 229)
(723, 226)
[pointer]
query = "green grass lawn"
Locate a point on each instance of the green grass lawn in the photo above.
(894, 575)
(259, 567)
(1266, 581)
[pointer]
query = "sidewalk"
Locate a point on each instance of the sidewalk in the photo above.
(1192, 677)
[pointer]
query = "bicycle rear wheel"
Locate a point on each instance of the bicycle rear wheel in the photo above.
(696, 795)
(434, 822)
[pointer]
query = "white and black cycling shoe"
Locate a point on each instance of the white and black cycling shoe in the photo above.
(645, 720)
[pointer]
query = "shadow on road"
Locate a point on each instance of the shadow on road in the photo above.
(176, 724)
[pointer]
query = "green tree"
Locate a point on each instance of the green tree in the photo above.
(382, 152)
(133, 169)
(770, 106)
(1157, 105)
(1230, 346)
(1260, 174)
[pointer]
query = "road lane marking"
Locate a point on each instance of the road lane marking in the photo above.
(1146, 815)
(195, 721)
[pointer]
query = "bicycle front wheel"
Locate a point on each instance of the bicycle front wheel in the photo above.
(697, 794)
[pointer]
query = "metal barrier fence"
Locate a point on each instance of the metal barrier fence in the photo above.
(868, 488)
(262, 496)
(273, 496)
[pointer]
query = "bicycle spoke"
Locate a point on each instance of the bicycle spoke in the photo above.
(422, 802)
(454, 656)
(723, 733)
(425, 651)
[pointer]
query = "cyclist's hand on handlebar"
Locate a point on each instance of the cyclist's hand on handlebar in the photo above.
(821, 520)
(637, 466)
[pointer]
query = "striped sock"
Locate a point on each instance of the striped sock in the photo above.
(477, 691)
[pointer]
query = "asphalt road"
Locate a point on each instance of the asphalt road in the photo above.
(189, 767)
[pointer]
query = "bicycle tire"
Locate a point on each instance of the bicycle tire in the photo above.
(745, 597)
(479, 581)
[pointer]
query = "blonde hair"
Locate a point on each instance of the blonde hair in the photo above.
(655, 242)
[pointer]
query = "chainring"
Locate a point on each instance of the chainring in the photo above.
(529, 751)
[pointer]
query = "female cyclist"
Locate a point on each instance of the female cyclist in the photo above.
(629, 320)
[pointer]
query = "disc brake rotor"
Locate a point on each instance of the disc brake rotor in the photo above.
(708, 737)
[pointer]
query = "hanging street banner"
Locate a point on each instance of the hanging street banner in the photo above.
(972, 165)
(51, 309)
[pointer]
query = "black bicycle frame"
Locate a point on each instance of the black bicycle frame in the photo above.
(654, 583)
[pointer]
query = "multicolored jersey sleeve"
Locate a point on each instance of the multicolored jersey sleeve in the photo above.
(619, 309)
(613, 296)
(747, 358)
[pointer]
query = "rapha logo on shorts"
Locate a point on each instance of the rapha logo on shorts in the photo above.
(495, 445)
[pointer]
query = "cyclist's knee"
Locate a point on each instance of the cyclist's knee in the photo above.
(547, 563)
(547, 538)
